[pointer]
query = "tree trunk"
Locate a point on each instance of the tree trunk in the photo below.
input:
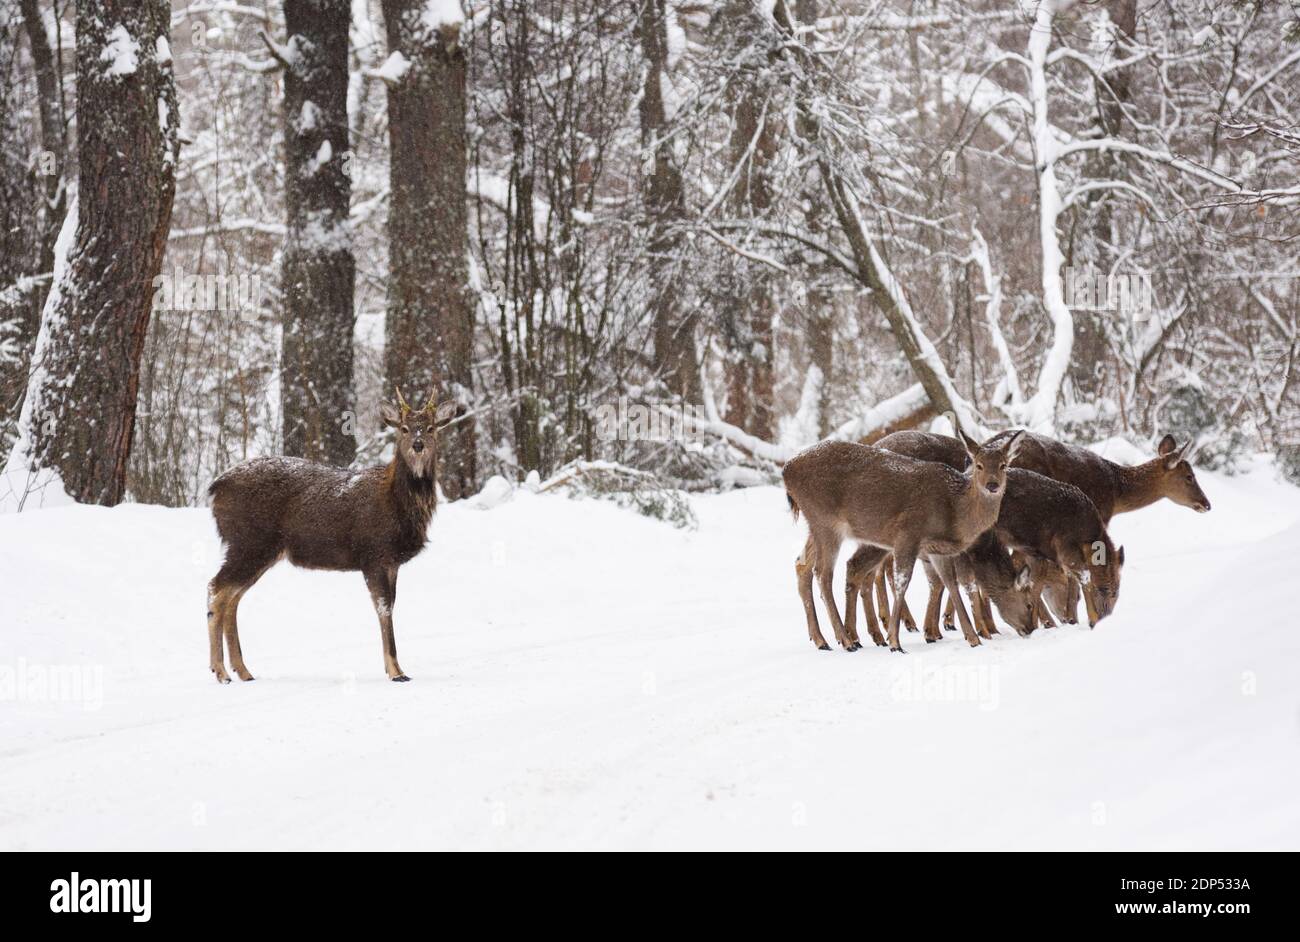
(53, 133)
(748, 322)
(79, 416)
(429, 334)
(316, 348)
(1089, 367)
(674, 329)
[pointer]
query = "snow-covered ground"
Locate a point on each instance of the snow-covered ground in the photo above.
(587, 678)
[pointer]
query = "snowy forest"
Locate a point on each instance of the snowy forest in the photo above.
(758, 222)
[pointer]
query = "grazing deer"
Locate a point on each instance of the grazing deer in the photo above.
(318, 517)
(1113, 488)
(1050, 520)
(910, 507)
(985, 569)
(1053, 525)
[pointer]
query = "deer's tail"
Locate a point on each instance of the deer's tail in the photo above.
(794, 508)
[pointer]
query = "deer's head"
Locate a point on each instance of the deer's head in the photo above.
(1174, 475)
(1100, 579)
(417, 431)
(989, 462)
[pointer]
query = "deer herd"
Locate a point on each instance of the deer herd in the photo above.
(1019, 521)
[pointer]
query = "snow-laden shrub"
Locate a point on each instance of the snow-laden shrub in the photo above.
(1288, 462)
(627, 487)
(1190, 412)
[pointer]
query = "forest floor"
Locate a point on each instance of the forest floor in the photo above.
(587, 678)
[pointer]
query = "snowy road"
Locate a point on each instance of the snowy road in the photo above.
(587, 678)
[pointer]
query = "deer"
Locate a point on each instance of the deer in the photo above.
(1053, 525)
(986, 569)
(318, 517)
(1112, 487)
(905, 506)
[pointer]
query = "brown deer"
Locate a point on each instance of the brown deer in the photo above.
(986, 569)
(910, 507)
(319, 517)
(1113, 488)
(1052, 524)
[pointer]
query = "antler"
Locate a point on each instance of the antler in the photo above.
(400, 401)
(433, 396)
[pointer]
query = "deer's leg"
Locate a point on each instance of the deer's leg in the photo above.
(904, 563)
(986, 609)
(948, 611)
(859, 578)
(803, 574)
(828, 551)
(218, 598)
(883, 572)
(382, 583)
(230, 628)
(869, 610)
(932, 607)
(949, 576)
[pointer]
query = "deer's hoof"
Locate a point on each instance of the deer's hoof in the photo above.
(931, 640)
(223, 679)
(897, 651)
(823, 646)
(399, 679)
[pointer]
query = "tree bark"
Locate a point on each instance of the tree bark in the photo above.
(674, 329)
(748, 321)
(429, 334)
(319, 268)
(80, 415)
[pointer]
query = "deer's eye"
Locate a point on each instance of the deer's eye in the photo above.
(405, 430)
(979, 465)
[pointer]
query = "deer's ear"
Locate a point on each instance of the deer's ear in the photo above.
(445, 413)
(1119, 555)
(389, 413)
(1167, 445)
(972, 447)
(1014, 442)
(1023, 579)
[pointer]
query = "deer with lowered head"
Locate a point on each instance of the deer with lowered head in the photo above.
(318, 517)
(878, 498)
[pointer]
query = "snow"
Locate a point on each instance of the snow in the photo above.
(440, 13)
(163, 51)
(393, 68)
(121, 52)
(588, 678)
(21, 485)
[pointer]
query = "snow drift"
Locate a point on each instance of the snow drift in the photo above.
(588, 678)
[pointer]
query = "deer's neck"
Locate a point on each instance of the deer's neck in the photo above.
(1137, 486)
(413, 498)
(979, 510)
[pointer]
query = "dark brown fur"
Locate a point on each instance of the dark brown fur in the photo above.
(318, 517)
